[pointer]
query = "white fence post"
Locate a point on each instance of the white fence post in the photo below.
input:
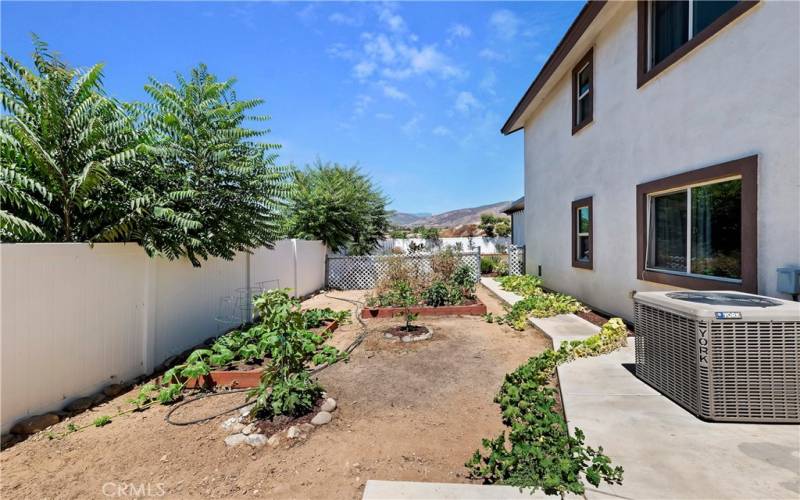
(149, 313)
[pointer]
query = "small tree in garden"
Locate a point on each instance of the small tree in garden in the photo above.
(406, 298)
(286, 386)
(338, 205)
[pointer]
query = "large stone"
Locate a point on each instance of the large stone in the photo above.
(34, 424)
(306, 428)
(322, 418)
(293, 432)
(10, 440)
(232, 425)
(236, 439)
(113, 390)
(274, 440)
(329, 405)
(249, 429)
(256, 440)
(246, 410)
(98, 398)
(80, 404)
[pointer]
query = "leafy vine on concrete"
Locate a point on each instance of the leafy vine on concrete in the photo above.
(537, 451)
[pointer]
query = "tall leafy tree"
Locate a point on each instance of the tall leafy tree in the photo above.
(61, 140)
(338, 205)
(195, 134)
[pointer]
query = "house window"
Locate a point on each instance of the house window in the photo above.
(582, 252)
(697, 230)
(582, 93)
(668, 30)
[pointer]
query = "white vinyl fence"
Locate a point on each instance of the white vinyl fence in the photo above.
(76, 318)
(465, 244)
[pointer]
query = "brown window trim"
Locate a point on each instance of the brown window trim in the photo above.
(583, 202)
(587, 119)
(747, 168)
(643, 75)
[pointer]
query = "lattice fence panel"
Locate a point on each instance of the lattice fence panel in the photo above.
(347, 272)
(516, 260)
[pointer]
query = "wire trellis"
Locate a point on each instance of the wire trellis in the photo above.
(237, 309)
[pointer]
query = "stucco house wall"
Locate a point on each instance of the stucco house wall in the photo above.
(735, 95)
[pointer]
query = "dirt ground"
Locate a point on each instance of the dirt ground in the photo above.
(405, 412)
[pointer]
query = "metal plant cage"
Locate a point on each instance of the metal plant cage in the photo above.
(724, 356)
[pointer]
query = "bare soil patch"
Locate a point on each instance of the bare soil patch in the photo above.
(406, 411)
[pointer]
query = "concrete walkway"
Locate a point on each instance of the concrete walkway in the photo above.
(666, 451)
(412, 490)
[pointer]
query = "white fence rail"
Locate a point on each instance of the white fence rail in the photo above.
(76, 318)
(363, 272)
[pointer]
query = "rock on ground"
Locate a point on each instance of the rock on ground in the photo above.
(322, 418)
(256, 440)
(113, 390)
(329, 405)
(34, 424)
(80, 404)
(235, 439)
(293, 432)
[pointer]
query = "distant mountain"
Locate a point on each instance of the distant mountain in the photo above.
(452, 218)
(404, 219)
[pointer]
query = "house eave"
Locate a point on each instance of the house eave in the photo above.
(585, 17)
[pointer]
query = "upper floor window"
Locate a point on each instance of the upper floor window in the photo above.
(668, 30)
(582, 93)
(697, 230)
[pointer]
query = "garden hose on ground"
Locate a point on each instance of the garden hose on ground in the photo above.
(353, 345)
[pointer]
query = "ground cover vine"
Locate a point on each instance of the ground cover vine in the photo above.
(537, 450)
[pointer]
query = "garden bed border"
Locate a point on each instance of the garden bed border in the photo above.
(476, 309)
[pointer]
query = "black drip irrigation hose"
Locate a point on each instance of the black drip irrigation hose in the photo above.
(353, 345)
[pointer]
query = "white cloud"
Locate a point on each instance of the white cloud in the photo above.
(307, 12)
(343, 19)
(504, 23)
(379, 47)
(363, 69)
(458, 31)
(441, 131)
(384, 116)
(387, 15)
(393, 92)
(466, 102)
(492, 55)
(411, 127)
(488, 82)
(362, 103)
(341, 51)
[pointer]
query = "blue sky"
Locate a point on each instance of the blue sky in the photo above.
(415, 93)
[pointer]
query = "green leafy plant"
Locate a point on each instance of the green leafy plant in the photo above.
(492, 225)
(536, 302)
(286, 386)
(437, 294)
(537, 451)
(61, 142)
(487, 264)
(101, 421)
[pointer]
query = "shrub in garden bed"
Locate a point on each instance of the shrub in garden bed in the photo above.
(284, 336)
(405, 285)
(537, 451)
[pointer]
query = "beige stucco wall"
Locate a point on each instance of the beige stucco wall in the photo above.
(736, 95)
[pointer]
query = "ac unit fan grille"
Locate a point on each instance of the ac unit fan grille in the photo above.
(665, 354)
(755, 370)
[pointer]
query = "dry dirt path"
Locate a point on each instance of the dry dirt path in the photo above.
(406, 412)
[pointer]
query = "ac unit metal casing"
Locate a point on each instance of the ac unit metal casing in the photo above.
(724, 356)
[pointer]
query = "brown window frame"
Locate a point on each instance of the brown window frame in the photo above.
(747, 169)
(585, 60)
(643, 74)
(583, 202)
